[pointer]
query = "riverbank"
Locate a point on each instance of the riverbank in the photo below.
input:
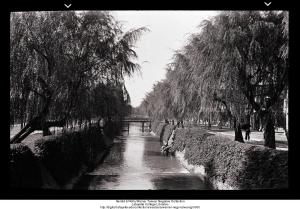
(135, 163)
(226, 164)
(256, 137)
(57, 161)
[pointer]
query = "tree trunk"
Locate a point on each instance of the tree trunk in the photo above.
(286, 134)
(24, 132)
(208, 121)
(208, 124)
(22, 123)
(46, 131)
(238, 136)
(256, 124)
(269, 131)
(199, 117)
(36, 124)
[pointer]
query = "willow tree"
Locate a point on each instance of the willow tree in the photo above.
(157, 101)
(238, 60)
(210, 80)
(177, 79)
(243, 51)
(58, 58)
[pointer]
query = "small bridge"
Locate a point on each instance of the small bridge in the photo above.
(134, 119)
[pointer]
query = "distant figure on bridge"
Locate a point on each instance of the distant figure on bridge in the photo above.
(166, 121)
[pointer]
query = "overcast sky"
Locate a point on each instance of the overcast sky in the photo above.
(169, 31)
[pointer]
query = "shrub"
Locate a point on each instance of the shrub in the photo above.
(64, 155)
(24, 168)
(182, 136)
(238, 165)
(112, 128)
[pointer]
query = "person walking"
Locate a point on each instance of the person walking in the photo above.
(247, 130)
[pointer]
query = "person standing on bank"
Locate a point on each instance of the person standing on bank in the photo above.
(247, 127)
(247, 130)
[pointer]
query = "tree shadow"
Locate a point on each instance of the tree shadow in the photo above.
(264, 169)
(279, 144)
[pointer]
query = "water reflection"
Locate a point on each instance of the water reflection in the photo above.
(135, 163)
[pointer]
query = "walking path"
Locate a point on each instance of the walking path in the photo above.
(256, 137)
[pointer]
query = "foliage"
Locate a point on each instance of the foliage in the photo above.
(65, 155)
(24, 168)
(69, 66)
(231, 66)
(228, 163)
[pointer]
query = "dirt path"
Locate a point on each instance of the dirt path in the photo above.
(256, 137)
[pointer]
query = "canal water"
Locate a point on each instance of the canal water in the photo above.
(136, 163)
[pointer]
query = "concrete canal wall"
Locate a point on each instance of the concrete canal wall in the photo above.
(226, 164)
(57, 161)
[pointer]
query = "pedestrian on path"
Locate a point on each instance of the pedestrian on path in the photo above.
(247, 130)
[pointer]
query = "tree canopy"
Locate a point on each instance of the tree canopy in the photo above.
(69, 66)
(237, 64)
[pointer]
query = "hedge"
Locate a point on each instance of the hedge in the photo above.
(24, 167)
(233, 164)
(65, 155)
(112, 128)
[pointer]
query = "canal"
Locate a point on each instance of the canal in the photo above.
(136, 163)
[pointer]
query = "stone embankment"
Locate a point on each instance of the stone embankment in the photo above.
(225, 164)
